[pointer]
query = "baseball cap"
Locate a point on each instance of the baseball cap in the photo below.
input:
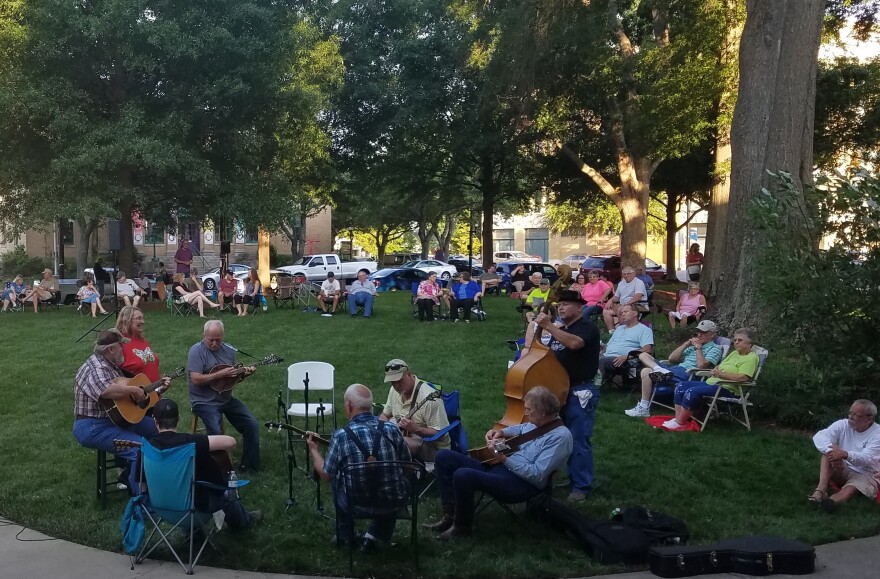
(165, 408)
(707, 326)
(111, 336)
(395, 369)
(544, 281)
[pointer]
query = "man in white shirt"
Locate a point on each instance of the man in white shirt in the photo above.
(361, 293)
(850, 457)
(127, 291)
(329, 294)
(630, 291)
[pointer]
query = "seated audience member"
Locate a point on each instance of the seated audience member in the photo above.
(196, 299)
(361, 293)
(520, 279)
(596, 292)
(227, 290)
(630, 291)
(428, 296)
(645, 279)
(88, 294)
(329, 293)
(211, 451)
(691, 305)
(630, 336)
(251, 296)
(740, 365)
(697, 353)
(42, 291)
(850, 461)
(491, 281)
(536, 298)
(10, 295)
(143, 282)
(127, 290)
(519, 476)
(464, 294)
(365, 436)
(193, 283)
(579, 283)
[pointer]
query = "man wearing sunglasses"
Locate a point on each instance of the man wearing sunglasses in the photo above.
(850, 451)
(417, 418)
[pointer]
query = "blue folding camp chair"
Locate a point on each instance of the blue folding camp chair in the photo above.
(170, 502)
(457, 436)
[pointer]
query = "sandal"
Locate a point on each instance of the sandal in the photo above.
(817, 500)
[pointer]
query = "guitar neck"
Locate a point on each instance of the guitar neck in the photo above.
(283, 426)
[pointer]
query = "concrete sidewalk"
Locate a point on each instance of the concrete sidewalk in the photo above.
(28, 554)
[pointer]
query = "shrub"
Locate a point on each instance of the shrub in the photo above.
(822, 303)
(18, 261)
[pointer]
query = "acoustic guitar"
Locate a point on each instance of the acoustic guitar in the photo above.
(434, 395)
(125, 412)
(492, 455)
(229, 382)
(279, 426)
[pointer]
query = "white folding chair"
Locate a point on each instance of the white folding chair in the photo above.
(311, 380)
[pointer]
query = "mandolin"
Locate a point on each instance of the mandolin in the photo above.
(228, 383)
(125, 412)
(279, 426)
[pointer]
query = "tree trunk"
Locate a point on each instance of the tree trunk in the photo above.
(489, 190)
(632, 202)
(86, 229)
(716, 226)
(671, 232)
(772, 130)
(126, 256)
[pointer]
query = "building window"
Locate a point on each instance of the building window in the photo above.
(251, 235)
(503, 239)
(66, 231)
(224, 231)
(538, 242)
(155, 234)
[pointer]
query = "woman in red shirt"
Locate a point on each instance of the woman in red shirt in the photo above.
(694, 262)
(139, 356)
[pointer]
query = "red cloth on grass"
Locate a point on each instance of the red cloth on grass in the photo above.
(657, 422)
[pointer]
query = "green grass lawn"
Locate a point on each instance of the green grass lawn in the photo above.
(722, 483)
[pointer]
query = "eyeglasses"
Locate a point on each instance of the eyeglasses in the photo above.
(396, 367)
(854, 415)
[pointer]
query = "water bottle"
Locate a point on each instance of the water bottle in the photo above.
(233, 483)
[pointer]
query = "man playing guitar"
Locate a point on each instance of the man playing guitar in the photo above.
(96, 380)
(211, 405)
(417, 418)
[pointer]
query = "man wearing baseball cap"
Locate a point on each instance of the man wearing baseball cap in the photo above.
(576, 346)
(43, 290)
(417, 418)
(96, 384)
(697, 353)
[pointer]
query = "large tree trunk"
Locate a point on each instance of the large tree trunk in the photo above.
(671, 232)
(489, 189)
(716, 226)
(86, 229)
(632, 202)
(126, 257)
(772, 130)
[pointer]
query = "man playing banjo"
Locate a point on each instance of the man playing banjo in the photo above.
(211, 405)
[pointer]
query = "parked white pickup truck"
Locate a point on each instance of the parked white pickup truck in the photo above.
(316, 267)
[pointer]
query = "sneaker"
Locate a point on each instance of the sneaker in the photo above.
(576, 496)
(672, 425)
(326, 315)
(638, 412)
(660, 376)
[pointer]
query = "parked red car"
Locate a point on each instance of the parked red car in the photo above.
(609, 266)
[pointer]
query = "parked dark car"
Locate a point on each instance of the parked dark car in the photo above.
(392, 279)
(546, 270)
(462, 265)
(609, 266)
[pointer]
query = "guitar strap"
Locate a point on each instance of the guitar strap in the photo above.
(377, 437)
(533, 434)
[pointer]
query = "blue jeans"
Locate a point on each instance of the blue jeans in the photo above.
(690, 394)
(580, 422)
(679, 374)
(238, 414)
(361, 299)
(381, 528)
(588, 311)
(460, 476)
(100, 433)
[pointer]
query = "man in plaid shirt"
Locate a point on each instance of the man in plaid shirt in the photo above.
(384, 444)
(94, 382)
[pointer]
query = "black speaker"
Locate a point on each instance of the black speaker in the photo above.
(225, 247)
(115, 241)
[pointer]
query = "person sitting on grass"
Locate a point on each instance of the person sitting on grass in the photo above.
(464, 294)
(207, 500)
(88, 294)
(697, 353)
(690, 307)
(329, 294)
(196, 299)
(850, 450)
(127, 290)
(630, 336)
(10, 295)
(739, 366)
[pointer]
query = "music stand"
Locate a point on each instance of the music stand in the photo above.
(115, 312)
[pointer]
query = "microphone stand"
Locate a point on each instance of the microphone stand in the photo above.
(291, 457)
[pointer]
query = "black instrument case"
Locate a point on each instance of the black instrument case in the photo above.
(753, 555)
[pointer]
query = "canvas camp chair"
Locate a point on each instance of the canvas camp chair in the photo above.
(170, 503)
(455, 430)
(730, 404)
(662, 393)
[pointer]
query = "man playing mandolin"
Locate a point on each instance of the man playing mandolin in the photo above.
(576, 346)
(99, 379)
(211, 405)
(523, 468)
(410, 407)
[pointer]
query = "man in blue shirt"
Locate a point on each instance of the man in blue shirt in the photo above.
(630, 336)
(364, 437)
(518, 476)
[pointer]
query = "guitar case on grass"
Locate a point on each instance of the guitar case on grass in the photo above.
(753, 555)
